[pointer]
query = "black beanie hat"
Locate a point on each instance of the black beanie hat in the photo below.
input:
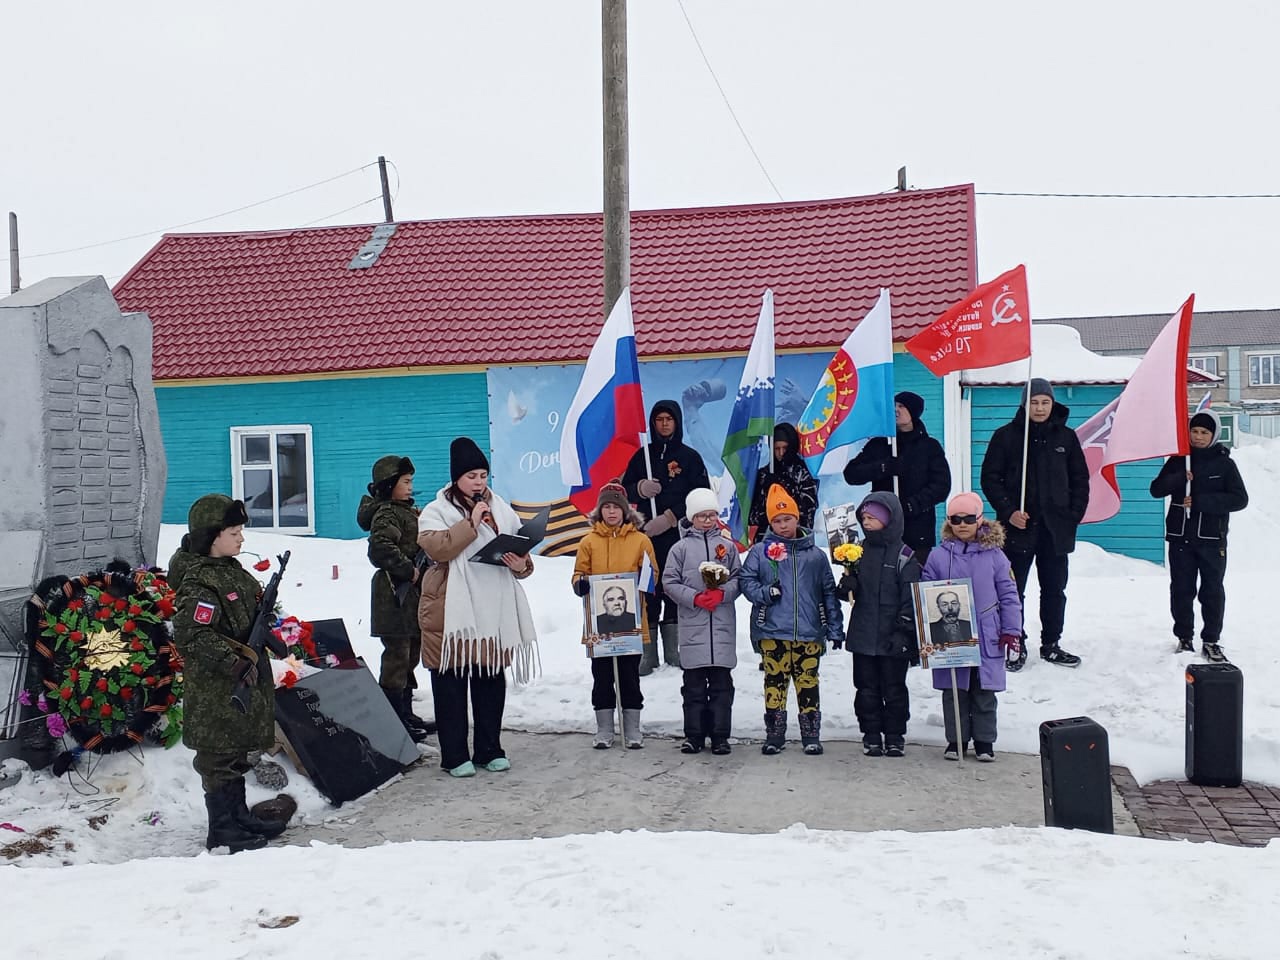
(465, 456)
(1204, 421)
(912, 401)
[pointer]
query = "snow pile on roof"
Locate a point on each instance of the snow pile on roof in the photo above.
(1057, 355)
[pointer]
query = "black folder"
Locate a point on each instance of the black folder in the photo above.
(531, 534)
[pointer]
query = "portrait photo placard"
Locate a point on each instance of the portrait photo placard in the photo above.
(612, 615)
(945, 624)
(841, 524)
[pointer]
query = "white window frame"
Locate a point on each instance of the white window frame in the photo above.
(1207, 362)
(1275, 369)
(238, 467)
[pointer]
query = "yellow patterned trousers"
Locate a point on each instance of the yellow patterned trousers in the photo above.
(794, 661)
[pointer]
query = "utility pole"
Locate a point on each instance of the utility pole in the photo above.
(386, 192)
(15, 279)
(617, 206)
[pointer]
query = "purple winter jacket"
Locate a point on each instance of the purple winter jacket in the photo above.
(995, 597)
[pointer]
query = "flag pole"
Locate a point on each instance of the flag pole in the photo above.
(893, 452)
(1026, 438)
(648, 472)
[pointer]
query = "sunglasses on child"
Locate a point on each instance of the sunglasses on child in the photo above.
(965, 518)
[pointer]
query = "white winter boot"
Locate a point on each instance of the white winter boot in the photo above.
(603, 739)
(631, 735)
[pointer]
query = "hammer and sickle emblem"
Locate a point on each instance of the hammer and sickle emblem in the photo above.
(1005, 310)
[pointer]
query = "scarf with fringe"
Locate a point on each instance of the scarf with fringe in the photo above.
(486, 613)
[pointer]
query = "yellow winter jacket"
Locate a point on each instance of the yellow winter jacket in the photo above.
(620, 549)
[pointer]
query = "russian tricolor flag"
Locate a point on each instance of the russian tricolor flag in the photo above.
(605, 421)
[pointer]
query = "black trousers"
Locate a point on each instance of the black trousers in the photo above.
(1205, 561)
(881, 701)
(1051, 572)
(488, 698)
(603, 695)
(708, 703)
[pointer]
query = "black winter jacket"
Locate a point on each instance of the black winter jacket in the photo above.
(882, 621)
(1216, 492)
(924, 480)
(1057, 481)
(793, 476)
(678, 467)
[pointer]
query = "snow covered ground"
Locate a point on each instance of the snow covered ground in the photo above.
(606, 894)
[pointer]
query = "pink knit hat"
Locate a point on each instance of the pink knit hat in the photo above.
(965, 503)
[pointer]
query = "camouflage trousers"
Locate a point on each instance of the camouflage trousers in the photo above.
(791, 661)
(399, 656)
(218, 769)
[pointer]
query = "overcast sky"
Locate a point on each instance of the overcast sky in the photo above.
(126, 117)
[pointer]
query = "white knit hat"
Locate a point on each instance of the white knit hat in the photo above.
(699, 501)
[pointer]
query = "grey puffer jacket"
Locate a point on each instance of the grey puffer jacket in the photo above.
(707, 638)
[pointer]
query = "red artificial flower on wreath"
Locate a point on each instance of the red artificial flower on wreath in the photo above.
(126, 693)
(135, 645)
(289, 678)
(65, 693)
(101, 684)
(164, 606)
(104, 613)
(777, 552)
(137, 668)
(73, 674)
(129, 626)
(106, 710)
(86, 703)
(76, 636)
(150, 681)
(76, 604)
(121, 605)
(61, 628)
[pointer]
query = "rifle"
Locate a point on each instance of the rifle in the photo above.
(420, 563)
(260, 640)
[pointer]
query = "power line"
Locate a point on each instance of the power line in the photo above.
(1132, 196)
(191, 223)
(338, 213)
(725, 97)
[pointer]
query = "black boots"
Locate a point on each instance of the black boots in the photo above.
(400, 704)
(411, 719)
(224, 828)
(245, 818)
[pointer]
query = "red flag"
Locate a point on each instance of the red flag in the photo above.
(1148, 419)
(989, 327)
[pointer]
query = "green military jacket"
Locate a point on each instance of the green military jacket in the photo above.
(393, 544)
(217, 598)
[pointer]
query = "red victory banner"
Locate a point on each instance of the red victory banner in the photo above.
(989, 327)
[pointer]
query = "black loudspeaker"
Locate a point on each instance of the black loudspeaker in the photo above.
(1075, 762)
(1215, 724)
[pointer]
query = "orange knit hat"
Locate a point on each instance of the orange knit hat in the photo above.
(779, 502)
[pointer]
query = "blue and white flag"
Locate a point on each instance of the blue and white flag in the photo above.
(854, 401)
(750, 434)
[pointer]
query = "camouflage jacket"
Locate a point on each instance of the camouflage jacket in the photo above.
(393, 544)
(217, 598)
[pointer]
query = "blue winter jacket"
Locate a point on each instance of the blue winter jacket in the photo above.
(809, 609)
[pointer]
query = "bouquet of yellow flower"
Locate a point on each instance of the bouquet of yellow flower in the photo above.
(848, 555)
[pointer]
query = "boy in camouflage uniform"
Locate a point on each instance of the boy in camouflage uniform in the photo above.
(389, 515)
(217, 600)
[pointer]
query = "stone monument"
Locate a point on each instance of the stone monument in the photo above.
(82, 465)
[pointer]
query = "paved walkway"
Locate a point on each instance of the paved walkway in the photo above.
(559, 786)
(1248, 815)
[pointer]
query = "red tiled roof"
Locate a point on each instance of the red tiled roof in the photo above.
(284, 302)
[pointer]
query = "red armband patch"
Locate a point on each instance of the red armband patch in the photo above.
(204, 612)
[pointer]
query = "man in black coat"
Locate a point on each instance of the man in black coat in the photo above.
(1043, 530)
(924, 477)
(949, 630)
(1196, 528)
(677, 469)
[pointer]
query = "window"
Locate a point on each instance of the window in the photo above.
(271, 472)
(1264, 370)
(1209, 364)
